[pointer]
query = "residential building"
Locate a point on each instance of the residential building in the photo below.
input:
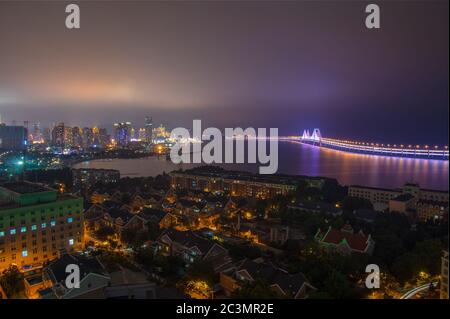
(403, 203)
(432, 210)
(158, 217)
(58, 135)
(121, 219)
(93, 279)
(294, 286)
(123, 133)
(236, 183)
(345, 240)
(13, 138)
(86, 178)
(380, 197)
(37, 223)
(191, 246)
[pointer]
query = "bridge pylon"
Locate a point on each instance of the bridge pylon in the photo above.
(306, 135)
(316, 135)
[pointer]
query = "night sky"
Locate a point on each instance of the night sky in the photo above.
(291, 65)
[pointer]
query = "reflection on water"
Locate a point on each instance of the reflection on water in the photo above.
(302, 159)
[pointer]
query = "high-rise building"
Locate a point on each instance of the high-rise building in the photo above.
(13, 138)
(68, 136)
(87, 137)
(77, 139)
(148, 130)
(86, 178)
(142, 135)
(95, 136)
(103, 137)
(47, 136)
(160, 134)
(58, 134)
(122, 133)
(37, 224)
(36, 135)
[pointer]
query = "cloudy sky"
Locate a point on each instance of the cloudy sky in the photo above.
(289, 64)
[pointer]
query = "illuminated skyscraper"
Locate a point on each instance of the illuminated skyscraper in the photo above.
(148, 129)
(77, 139)
(58, 135)
(160, 134)
(122, 133)
(103, 137)
(13, 138)
(36, 134)
(142, 134)
(47, 136)
(87, 137)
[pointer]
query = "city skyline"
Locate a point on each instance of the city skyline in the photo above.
(235, 152)
(290, 65)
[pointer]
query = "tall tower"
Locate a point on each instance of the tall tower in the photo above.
(122, 133)
(58, 134)
(148, 129)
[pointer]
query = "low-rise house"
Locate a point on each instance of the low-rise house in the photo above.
(189, 207)
(432, 210)
(98, 197)
(345, 240)
(143, 200)
(93, 279)
(238, 205)
(92, 216)
(294, 286)
(191, 246)
(120, 219)
(159, 217)
(403, 203)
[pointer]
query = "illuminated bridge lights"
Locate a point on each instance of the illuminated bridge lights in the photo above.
(375, 148)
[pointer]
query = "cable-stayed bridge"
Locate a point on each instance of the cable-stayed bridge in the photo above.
(397, 150)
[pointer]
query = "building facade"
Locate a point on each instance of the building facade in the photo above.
(86, 178)
(13, 138)
(122, 133)
(37, 224)
(409, 197)
(250, 186)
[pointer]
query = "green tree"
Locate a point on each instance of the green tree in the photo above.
(258, 289)
(12, 281)
(201, 270)
(104, 232)
(338, 286)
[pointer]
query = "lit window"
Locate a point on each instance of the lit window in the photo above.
(43, 225)
(70, 219)
(23, 229)
(12, 231)
(24, 253)
(71, 242)
(33, 227)
(2, 233)
(53, 223)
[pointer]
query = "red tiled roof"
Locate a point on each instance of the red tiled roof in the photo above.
(355, 241)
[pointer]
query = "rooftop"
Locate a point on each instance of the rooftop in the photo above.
(24, 187)
(216, 172)
(11, 204)
(403, 197)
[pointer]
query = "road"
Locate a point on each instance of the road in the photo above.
(410, 293)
